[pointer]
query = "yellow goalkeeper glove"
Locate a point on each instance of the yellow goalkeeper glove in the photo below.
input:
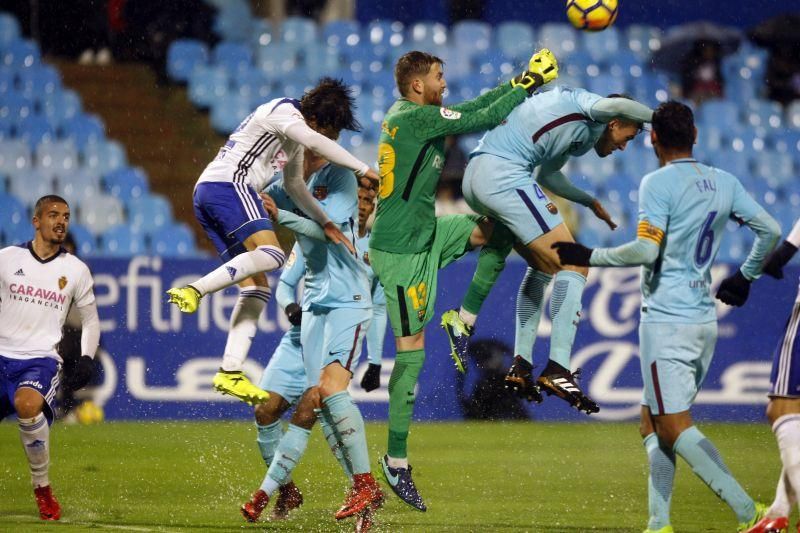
(542, 68)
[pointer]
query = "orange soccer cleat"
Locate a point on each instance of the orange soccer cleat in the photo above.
(289, 498)
(251, 510)
(364, 493)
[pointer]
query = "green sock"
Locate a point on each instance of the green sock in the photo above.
(402, 383)
(491, 262)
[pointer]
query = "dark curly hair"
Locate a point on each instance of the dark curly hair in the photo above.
(330, 105)
(673, 123)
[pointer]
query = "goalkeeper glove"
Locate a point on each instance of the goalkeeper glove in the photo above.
(542, 68)
(572, 253)
(294, 313)
(734, 289)
(372, 378)
(82, 372)
(776, 260)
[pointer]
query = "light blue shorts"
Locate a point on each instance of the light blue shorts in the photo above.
(675, 360)
(332, 335)
(505, 191)
(285, 373)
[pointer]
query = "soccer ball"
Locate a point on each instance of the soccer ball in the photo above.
(89, 413)
(592, 15)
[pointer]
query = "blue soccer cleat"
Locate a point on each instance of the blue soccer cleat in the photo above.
(399, 479)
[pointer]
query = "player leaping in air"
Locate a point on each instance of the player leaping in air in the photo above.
(272, 139)
(683, 209)
(409, 244)
(545, 132)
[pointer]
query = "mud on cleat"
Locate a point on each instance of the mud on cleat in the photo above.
(520, 381)
(399, 479)
(561, 382)
(458, 333)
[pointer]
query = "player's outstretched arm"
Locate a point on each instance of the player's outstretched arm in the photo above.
(286, 292)
(783, 253)
(642, 251)
(606, 109)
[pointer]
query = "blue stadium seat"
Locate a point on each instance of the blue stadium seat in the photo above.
(764, 114)
(643, 40)
(122, 241)
(228, 113)
(36, 83)
(101, 213)
(235, 58)
(325, 60)
(13, 217)
(427, 34)
(382, 86)
(261, 33)
(722, 114)
(9, 30)
(793, 115)
(786, 141)
(84, 129)
(748, 140)
(32, 185)
(651, 89)
(276, 60)
(8, 80)
(471, 36)
(61, 106)
(183, 56)
(81, 187)
(15, 107)
(602, 45)
(625, 63)
(637, 162)
(126, 183)
(85, 243)
(233, 20)
(21, 54)
(341, 34)
(385, 33)
(207, 85)
(457, 65)
(253, 85)
(15, 157)
(173, 241)
(295, 87)
(149, 213)
(100, 158)
(35, 129)
(737, 163)
(515, 39)
(605, 84)
(495, 63)
(57, 157)
(578, 65)
(621, 188)
(594, 167)
(776, 168)
(560, 38)
(298, 31)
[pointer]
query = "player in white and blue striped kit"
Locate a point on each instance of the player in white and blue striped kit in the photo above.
(683, 209)
(336, 311)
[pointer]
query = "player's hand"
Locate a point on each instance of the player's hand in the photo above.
(372, 378)
(370, 181)
(82, 373)
(778, 258)
(734, 289)
(294, 313)
(572, 253)
(528, 81)
(269, 206)
(335, 235)
(601, 213)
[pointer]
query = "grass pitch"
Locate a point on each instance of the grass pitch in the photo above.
(186, 476)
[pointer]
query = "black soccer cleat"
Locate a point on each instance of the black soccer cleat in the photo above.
(559, 381)
(520, 381)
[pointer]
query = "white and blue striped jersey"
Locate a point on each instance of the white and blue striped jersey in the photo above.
(334, 276)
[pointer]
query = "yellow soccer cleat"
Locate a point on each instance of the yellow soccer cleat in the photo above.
(458, 333)
(665, 529)
(186, 298)
(235, 383)
(545, 64)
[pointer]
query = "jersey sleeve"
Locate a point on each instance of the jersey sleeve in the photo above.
(744, 208)
(483, 100)
(277, 193)
(278, 119)
(84, 289)
(430, 122)
(342, 198)
(293, 272)
(585, 101)
(654, 209)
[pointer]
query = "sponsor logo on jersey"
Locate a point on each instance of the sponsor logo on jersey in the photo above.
(32, 384)
(321, 192)
(34, 292)
(62, 282)
(19, 273)
(552, 208)
(449, 114)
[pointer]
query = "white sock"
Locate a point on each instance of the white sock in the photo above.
(397, 463)
(244, 324)
(262, 259)
(787, 432)
(468, 318)
(35, 436)
(784, 499)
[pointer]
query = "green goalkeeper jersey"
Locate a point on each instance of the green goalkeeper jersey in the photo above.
(411, 157)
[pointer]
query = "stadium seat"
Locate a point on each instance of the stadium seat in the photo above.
(457, 64)
(793, 114)
(35, 129)
(84, 129)
(276, 60)
(298, 32)
(561, 39)
(427, 35)
(515, 39)
(81, 186)
(637, 162)
(341, 34)
(9, 30)
(149, 213)
(386, 33)
(749, 140)
(85, 243)
(207, 85)
(100, 158)
(126, 183)
(382, 86)
(15, 157)
(776, 168)
(643, 40)
(737, 163)
(621, 188)
(233, 20)
(57, 157)
(594, 167)
(471, 36)
(61, 106)
(21, 54)
(36, 83)
(15, 107)
(183, 56)
(253, 85)
(13, 217)
(261, 33)
(32, 185)
(8, 80)
(228, 113)
(625, 64)
(101, 213)
(722, 114)
(786, 141)
(578, 65)
(602, 45)
(234, 58)
(605, 84)
(173, 241)
(325, 60)
(122, 241)
(764, 114)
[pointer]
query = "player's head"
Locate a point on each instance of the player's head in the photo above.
(673, 129)
(329, 108)
(366, 205)
(51, 219)
(618, 133)
(420, 77)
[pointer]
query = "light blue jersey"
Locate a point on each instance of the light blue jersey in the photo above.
(376, 334)
(546, 126)
(685, 205)
(362, 245)
(334, 277)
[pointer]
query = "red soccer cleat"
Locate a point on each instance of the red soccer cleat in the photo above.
(364, 493)
(771, 525)
(49, 509)
(289, 498)
(252, 510)
(365, 520)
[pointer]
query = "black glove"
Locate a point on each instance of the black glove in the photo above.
(372, 378)
(294, 313)
(776, 260)
(82, 373)
(734, 289)
(572, 253)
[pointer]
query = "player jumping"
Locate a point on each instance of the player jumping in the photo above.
(683, 209)
(272, 139)
(39, 281)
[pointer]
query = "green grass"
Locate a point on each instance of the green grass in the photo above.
(185, 476)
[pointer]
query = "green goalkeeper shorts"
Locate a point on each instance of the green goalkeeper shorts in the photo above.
(409, 280)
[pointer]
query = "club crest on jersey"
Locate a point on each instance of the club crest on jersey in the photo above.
(321, 192)
(291, 260)
(62, 282)
(366, 258)
(552, 208)
(449, 114)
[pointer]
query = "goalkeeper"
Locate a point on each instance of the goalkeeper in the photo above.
(409, 244)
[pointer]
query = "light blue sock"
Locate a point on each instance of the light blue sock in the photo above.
(659, 483)
(707, 463)
(529, 311)
(565, 312)
(268, 438)
(334, 443)
(290, 450)
(348, 424)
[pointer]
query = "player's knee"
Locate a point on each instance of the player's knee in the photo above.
(275, 253)
(265, 415)
(28, 406)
